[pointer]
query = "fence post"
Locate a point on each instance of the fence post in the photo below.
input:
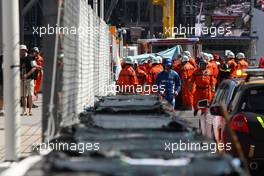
(10, 15)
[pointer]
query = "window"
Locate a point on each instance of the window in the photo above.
(253, 100)
(222, 94)
(235, 100)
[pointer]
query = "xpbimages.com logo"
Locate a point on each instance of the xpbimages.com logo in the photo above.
(193, 30)
(173, 147)
(80, 147)
(65, 30)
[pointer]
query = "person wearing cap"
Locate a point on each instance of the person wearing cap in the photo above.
(232, 64)
(148, 65)
(191, 60)
(155, 70)
(127, 80)
(39, 73)
(168, 82)
(204, 83)
(141, 65)
(217, 59)
(186, 73)
(215, 71)
(224, 72)
(141, 75)
(214, 65)
(176, 63)
(241, 61)
(28, 68)
(207, 57)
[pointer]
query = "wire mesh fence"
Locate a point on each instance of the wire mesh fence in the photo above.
(83, 68)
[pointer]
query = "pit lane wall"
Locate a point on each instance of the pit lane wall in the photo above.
(83, 67)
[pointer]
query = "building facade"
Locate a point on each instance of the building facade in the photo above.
(144, 20)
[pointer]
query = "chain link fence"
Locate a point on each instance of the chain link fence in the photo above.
(83, 68)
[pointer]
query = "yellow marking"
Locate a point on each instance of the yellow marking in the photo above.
(256, 82)
(261, 121)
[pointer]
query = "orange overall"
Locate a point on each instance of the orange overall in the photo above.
(204, 81)
(176, 65)
(141, 76)
(186, 73)
(242, 64)
(152, 76)
(153, 73)
(148, 67)
(37, 83)
(127, 80)
(215, 72)
(233, 65)
(192, 61)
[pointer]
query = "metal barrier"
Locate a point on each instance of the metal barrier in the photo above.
(84, 65)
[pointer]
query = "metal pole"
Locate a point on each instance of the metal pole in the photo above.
(95, 6)
(10, 16)
(102, 9)
(50, 14)
(28, 7)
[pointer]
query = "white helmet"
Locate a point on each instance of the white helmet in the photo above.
(230, 55)
(210, 57)
(129, 60)
(187, 53)
(23, 47)
(141, 62)
(185, 58)
(156, 60)
(204, 56)
(240, 56)
(160, 59)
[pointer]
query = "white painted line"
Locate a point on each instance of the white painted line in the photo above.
(22, 167)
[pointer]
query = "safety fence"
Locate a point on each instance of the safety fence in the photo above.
(86, 58)
(83, 68)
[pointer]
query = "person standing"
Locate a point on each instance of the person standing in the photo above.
(168, 82)
(28, 67)
(155, 70)
(148, 65)
(215, 72)
(141, 75)
(204, 84)
(176, 63)
(127, 80)
(232, 64)
(39, 73)
(224, 72)
(186, 73)
(191, 60)
(241, 61)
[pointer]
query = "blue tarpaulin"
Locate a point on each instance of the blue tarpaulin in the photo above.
(143, 56)
(168, 53)
(171, 52)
